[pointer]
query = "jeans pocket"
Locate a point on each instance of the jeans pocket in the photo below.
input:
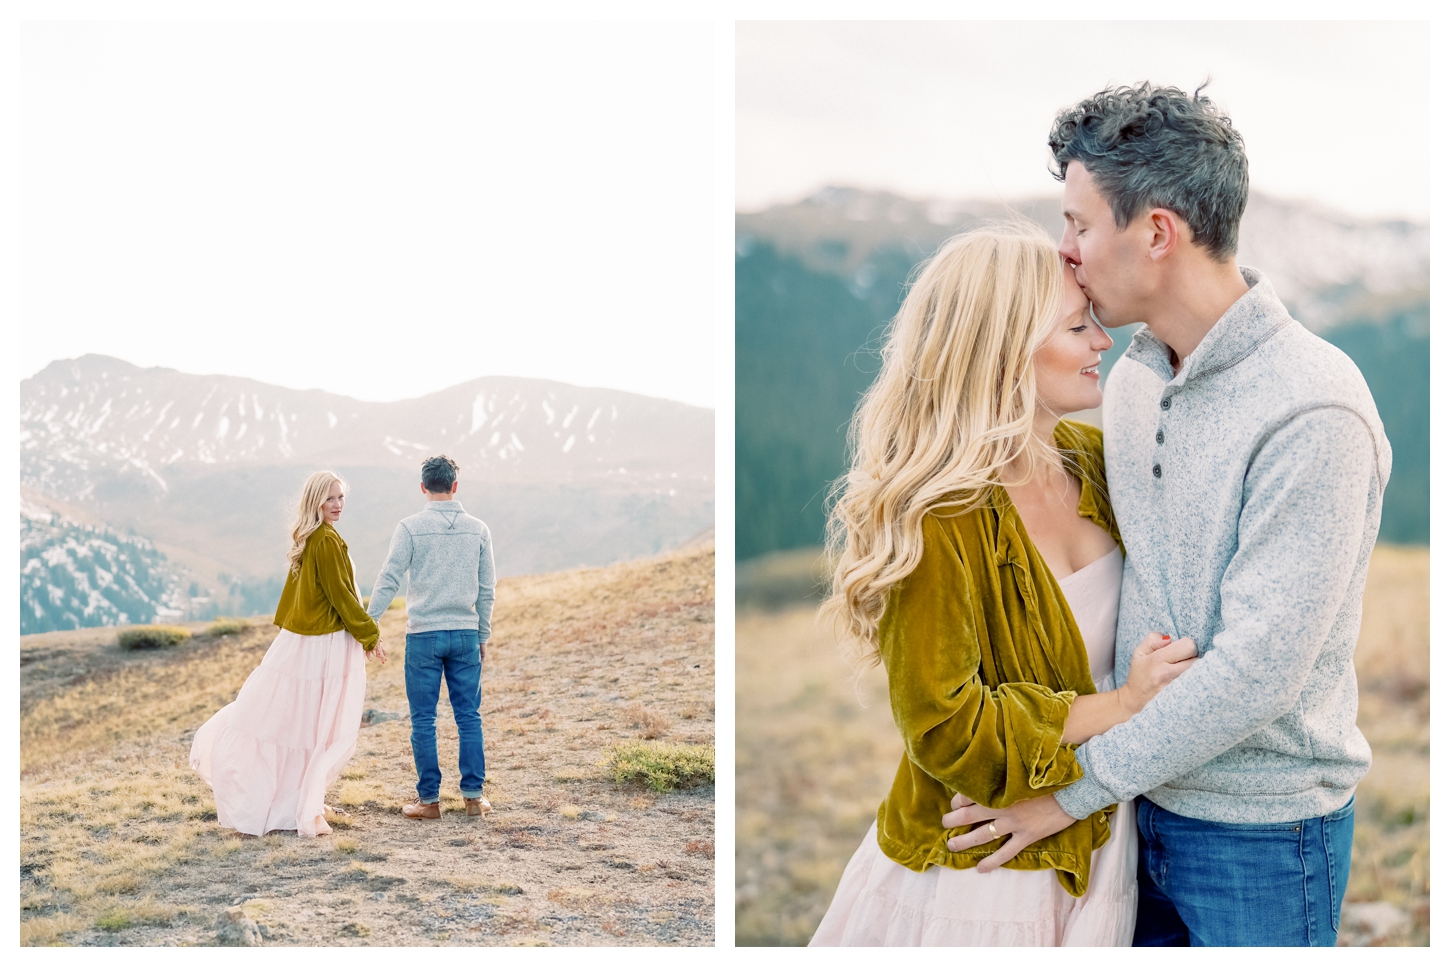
(419, 646)
(1338, 848)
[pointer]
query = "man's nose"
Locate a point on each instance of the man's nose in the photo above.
(1067, 248)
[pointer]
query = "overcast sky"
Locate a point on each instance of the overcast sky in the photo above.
(379, 210)
(1340, 113)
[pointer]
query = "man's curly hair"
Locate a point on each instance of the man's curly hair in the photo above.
(1157, 147)
(439, 473)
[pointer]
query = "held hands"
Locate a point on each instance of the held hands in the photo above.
(377, 650)
(1023, 824)
(1157, 661)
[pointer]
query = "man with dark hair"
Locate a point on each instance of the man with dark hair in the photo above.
(448, 558)
(1246, 464)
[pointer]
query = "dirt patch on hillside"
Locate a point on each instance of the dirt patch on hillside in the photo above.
(119, 843)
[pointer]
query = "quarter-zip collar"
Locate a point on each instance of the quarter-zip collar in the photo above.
(1248, 323)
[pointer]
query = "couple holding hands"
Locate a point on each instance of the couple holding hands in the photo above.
(271, 755)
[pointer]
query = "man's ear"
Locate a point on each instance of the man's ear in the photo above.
(1167, 233)
(455, 488)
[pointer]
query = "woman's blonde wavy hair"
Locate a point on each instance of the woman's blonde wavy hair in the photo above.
(309, 513)
(950, 410)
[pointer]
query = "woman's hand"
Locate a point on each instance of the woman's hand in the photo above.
(1157, 661)
(377, 650)
(1023, 823)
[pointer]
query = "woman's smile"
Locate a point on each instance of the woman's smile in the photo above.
(1075, 344)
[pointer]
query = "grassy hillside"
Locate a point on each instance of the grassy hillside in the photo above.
(119, 841)
(815, 756)
(805, 342)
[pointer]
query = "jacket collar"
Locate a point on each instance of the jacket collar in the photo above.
(1011, 547)
(451, 506)
(1247, 324)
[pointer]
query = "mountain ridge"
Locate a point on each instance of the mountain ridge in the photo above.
(208, 467)
(1327, 266)
(818, 281)
(75, 412)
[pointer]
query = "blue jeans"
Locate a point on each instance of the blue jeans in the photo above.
(431, 657)
(1203, 884)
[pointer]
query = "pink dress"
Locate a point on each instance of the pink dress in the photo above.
(270, 756)
(881, 903)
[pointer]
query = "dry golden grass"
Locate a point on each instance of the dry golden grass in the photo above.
(813, 762)
(1392, 810)
(119, 840)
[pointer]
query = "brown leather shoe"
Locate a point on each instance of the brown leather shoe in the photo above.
(476, 807)
(417, 809)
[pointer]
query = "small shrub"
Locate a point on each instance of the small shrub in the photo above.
(227, 626)
(662, 765)
(345, 845)
(145, 913)
(114, 920)
(151, 636)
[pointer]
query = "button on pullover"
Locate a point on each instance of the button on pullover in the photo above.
(1250, 531)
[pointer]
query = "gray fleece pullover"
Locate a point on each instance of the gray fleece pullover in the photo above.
(1247, 489)
(448, 558)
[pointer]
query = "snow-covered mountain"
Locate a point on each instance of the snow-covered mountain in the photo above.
(73, 575)
(1327, 266)
(92, 423)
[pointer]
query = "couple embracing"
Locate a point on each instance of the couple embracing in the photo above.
(271, 755)
(1121, 660)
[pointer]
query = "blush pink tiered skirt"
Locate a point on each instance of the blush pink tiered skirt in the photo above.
(270, 756)
(880, 903)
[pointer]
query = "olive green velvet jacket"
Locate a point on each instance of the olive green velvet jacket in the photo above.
(320, 597)
(983, 659)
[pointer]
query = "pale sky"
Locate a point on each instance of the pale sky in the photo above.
(1339, 113)
(374, 209)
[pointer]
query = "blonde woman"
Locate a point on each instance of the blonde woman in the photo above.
(978, 560)
(270, 756)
